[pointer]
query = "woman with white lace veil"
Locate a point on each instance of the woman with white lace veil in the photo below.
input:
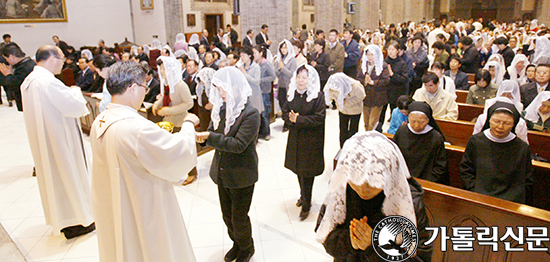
(87, 54)
(542, 50)
(497, 72)
(348, 94)
(203, 79)
(517, 69)
(194, 41)
(538, 112)
(304, 113)
(134, 50)
(233, 134)
(180, 43)
(371, 181)
(285, 64)
(167, 51)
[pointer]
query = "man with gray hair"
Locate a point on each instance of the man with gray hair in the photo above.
(52, 115)
(135, 165)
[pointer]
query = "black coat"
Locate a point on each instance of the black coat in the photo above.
(306, 138)
(260, 40)
(154, 91)
(235, 163)
(84, 81)
(399, 81)
(508, 55)
(12, 82)
(246, 42)
(529, 92)
(471, 60)
(143, 57)
(323, 62)
(233, 37)
(461, 80)
(377, 94)
(204, 41)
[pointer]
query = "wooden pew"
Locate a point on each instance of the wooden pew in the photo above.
(467, 112)
(471, 79)
(456, 132)
(461, 96)
(539, 142)
(451, 207)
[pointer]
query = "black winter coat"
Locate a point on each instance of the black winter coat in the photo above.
(399, 81)
(306, 138)
(235, 163)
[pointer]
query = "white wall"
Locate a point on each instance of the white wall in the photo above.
(149, 22)
(88, 21)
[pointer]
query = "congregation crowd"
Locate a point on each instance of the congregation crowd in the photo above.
(219, 93)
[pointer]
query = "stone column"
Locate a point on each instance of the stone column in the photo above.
(275, 13)
(329, 14)
(543, 12)
(367, 14)
(173, 19)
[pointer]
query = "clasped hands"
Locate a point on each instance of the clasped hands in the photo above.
(292, 116)
(360, 233)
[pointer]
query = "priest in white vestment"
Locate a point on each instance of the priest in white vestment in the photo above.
(52, 117)
(135, 165)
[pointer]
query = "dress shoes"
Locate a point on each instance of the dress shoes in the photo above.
(300, 202)
(232, 253)
(75, 231)
(303, 215)
(245, 256)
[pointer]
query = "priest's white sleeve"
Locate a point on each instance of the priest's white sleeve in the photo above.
(167, 156)
(69, 101)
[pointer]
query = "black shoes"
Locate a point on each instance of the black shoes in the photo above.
(300, 202)
(75, 231)
(232, 253)
(303, 214)
(305, 208)
(244, 256)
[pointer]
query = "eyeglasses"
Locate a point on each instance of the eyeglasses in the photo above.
(62, 58)
(146, 88)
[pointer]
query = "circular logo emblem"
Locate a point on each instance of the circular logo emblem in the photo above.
(395, 238)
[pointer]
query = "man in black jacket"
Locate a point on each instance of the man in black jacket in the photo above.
(85, 77)
(61, 44)
(470, 56)
(21, 67)
(154, 87)
(262, 38)
(506, 52)
(204, 39)
(233, 36)
(247, 41)
(530, 90)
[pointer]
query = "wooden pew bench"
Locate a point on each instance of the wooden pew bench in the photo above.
(468, 112)
(461, 96)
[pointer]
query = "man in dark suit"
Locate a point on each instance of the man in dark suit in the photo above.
(154, 87)
(247, 41)
(21, 67)
(61, 44)
(142, 56)
(218, 41)
(85, 77)
(304, 33)
(190, 74)
(506, 52)
(262, 38)
(204, 39)
(233, 36)
(530, 90)
(470, 57)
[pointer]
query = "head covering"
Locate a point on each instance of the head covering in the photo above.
(194, 39)
(133, 50)
(423, 107)
(507, 86)
(269, 56)
(477, 26)
(512, 71)
(378, 59)
(220, 52)
(291, 54)
(532, 111)
(340, 83)
(146, 49)
(499, 73)
(232, 81)
(313, 84)
(368, 158)
(204, 76)
(87, 54)
(169, 50)
(172, 68)
(193, 55)
(156, 44)
(542, 49)
(499, 58)
(180, 38)
(498, 106)
(179, 53)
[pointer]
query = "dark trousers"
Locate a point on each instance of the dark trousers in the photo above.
(18, 100)
(235, 204)
(351, 71)
(306, 188)
(264, 125)
(349, 125)
(383, 115)
(9, 95)
(281, 96)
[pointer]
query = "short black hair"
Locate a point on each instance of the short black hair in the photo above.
(235, 55)
(438, 45)
(430, 77)
(13, 49)
(261, 50)
(47, 51)
(465, 40)
(483, 74)
(301, 68)
(438, 65)
(403, 102)
(333, 31)
(6, 36)
(228, 25)
(85, 59)
(455, 57)
(192, 60)
(440, 36)
(123, 74)
(318, 32)
(264, 26)
(183, 57)
(530, 65)
(320, 42)
(349, 31)
(101, 61)
(297, 43)
(304, 26)
(543, 65)
(247, 50)
(249, 31)
(501, 40)
(437, 23)
(393, 43)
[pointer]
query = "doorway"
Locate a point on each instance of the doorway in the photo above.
(212, 23)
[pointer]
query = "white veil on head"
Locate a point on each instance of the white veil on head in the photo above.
(167, 47)
(156, 44)
(172, 68)
(204, 76)
(313, 84)
(340, 83)
(194, 39)
(179, 53)
(220, 53)
(146, 49)
(507, 86)
(368, 158)
(542, 49)
(234, 83)
(133, 50)
(193, 55)
(291, 54)
(378, 59)
(532, 111)
(499, 74)
(512, 71)
(87, 54)
(180, 38)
